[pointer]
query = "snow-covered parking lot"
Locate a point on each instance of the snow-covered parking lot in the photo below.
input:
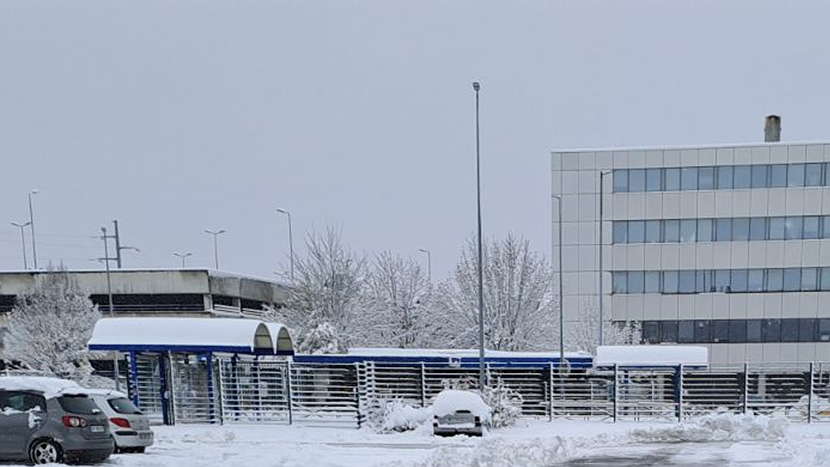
(713, 441)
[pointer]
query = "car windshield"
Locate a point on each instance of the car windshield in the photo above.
(123, 405)
(79, 404)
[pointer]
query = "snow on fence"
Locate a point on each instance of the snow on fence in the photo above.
(251, 389)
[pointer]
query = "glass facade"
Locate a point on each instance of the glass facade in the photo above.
(724, 177)
(736, 331)
(738, 229)
(694, 281)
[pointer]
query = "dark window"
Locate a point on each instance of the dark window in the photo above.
(620, 180)
(704, 281)
(795, 175)
(759, 176)
(686, 282)
(811, 227)
(809, 279)
(78, 405)
(757, 228)
(825, 230)
(741, 177)
(620, 233)
(703, 331)
(737, 330)
(668, 331)
(739, 280)
(636, 231)
(807, 330)
(651, 332)
(771, 330)
(123, 405)
(755, 280)
(706, 178)
(740, 229)
(792, 279)
(652, 231)
(812, 176)
(686, 331)
(672, 179)
(636, 180)
(775, 280)
(778, 176)
(789, 330)
(619, 282)
(22, 401)
(720, 331)
(688, 178)
(725, 177)
(793, 228)
(688, 230)
(670, 282)
(776, 228)
(654, 180)
(652, 279)
(722, 280)
(753, 330)
(824, 279)
(723, 230)
(704, 230)
(672, 233)
(636, 282)
(824, 330)
(826, 173)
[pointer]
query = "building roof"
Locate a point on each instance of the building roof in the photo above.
(678, 147)
(191, 335)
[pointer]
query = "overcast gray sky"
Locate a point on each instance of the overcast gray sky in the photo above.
(176, 116)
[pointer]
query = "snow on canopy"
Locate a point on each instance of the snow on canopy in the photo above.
(456, 353)
(49, 387)
(191, 335)
(450, 400)
(652, 355)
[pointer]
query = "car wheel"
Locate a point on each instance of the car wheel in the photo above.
(139, 450)
(45, 451)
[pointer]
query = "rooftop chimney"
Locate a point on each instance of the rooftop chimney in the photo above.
(772, 129)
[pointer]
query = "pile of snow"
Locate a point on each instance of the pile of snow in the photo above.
(505, 404)
(49, 387)
(536, 452)
(450, 401)
(398, 416)
(717, 427)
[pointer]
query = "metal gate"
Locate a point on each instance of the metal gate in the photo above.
(254, 391)
(194, 397)
(150, 386)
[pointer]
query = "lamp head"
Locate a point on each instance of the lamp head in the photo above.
(476, 86)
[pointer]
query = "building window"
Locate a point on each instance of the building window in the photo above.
(620, 179)
(636, 180)
(654, 180)
(795, 175)
(736, 331)
(688, 178)
(652, 231)
(672, 179)
(692, 281)
(812, 175)
(778, 176)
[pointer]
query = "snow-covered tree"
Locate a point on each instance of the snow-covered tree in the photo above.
(395, 309)
(516, 311)
(584, 334)
(325, 294)
(50, 325)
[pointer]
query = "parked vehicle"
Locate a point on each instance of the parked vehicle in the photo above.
(130, 428)
(47, 420)
(459, 413)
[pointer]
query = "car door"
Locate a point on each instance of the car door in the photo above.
(21, 415)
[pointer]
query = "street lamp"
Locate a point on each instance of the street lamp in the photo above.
(183, 257)
(561, 302)
(216, 235)
(32, 225)
(290, 241)
(429, 263)
(602, 175)
(481, 375)
(22, 226)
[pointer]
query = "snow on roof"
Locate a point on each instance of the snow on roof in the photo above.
(456, 353)
(671, 147)
(186, 334)
(49, 387)
(281, 337)
(651, 355)
(105, 392)
(450, 400)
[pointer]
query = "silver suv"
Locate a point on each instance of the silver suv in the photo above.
(42, 426)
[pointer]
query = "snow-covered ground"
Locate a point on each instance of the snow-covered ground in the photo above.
(717, 440)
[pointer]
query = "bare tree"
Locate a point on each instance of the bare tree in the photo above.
(50, 326)
(396, 305)
(325, 295)
(516, 311)
(584, 335)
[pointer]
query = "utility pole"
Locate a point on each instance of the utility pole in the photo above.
(22, 226)
(106, 259)
(32, 225)
(481, 373)
(429, 263)
(290, 241)
(118, 247)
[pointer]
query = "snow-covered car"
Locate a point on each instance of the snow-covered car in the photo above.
(459, 413)
(49, 420)
(130, 427)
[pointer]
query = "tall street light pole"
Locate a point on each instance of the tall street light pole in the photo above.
(107, 259)
(429, 263)
(22, 226)
(32, 225)
(481, 374)
(216, 235)
(561, 302)
(290, 241)
(601, 294)
(183, 257)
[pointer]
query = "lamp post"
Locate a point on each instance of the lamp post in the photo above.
(106, 259)
(561, 302)
(481, 374)
(602, 175)
(22, 226)
(32, 225)
(290, 241)
(216, 235)
(429, 263)
(183, 257)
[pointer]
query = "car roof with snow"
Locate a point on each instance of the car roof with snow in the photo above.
(450, 401)
(49, 387)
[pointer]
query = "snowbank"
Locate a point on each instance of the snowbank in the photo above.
(451, 400)
(398, 416)
(716, 427)
(50, 387)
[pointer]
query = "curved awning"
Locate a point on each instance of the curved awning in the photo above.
(192, 335)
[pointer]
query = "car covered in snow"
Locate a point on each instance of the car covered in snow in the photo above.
(48, 420)
(130, 427)
(459, 413)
